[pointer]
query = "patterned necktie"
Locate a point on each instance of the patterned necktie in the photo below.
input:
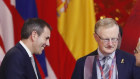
(34, 66)
(106, 67)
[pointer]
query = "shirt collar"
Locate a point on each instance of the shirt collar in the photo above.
(25, 47)
(101, 55)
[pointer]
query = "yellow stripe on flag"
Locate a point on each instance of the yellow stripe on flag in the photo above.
(76, 20)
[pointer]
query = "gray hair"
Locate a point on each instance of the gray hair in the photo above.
(106, 23)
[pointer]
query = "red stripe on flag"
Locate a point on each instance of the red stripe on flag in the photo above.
(2, 45)
(17, 21)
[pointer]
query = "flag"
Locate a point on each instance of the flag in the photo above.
(71, 38)
(76, 20)
(6, 30)
(131, 30)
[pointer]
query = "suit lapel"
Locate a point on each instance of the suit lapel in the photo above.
(120, 64)
(29, 61)
(94, 71)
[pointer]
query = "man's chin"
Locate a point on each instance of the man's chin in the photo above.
(109, 51)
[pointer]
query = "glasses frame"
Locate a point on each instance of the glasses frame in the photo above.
(107, 40)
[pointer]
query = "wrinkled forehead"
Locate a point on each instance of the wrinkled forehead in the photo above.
(106, 27)
(108, 31)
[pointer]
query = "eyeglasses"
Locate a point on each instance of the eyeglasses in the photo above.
(113, 40)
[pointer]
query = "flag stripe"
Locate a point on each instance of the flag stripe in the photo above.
(17, 20)
(6, 26)
(51, 72)
(2, 45)
(26, 8)
(2, 50)
(42, 62)
(6, 30)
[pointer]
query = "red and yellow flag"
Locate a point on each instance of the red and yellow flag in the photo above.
(76, 20)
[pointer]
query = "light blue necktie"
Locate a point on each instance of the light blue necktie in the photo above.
(106, 67)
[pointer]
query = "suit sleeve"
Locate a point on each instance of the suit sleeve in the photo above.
(14, 66)
(79, 69)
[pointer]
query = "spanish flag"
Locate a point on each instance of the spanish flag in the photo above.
(76, 20)
(75, 24)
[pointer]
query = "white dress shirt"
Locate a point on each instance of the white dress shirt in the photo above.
(115, 71)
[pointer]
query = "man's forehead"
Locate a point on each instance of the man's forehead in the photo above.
(106, 28)
(109, 32)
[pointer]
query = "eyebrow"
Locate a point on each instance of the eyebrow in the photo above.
(105, 38)
(48, 37)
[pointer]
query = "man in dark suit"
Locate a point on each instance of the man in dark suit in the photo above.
(107, 62)
(18, 62)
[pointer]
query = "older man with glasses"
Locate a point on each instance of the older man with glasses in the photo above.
(107, 62)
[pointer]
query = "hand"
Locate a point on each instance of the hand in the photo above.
(137, 53)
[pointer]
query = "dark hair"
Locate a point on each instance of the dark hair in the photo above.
(33, 24)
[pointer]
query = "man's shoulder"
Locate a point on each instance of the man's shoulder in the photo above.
(120, 54)
(16, 53)
(123, 53)
(82, 59)
(16, 49)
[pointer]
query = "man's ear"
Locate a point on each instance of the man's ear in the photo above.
(95, 36)
(34, 35)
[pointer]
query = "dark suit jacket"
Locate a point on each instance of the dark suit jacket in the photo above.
(17, 65)
(126, 70)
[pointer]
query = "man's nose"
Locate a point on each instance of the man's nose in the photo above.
(110, 42)
(47, 43)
